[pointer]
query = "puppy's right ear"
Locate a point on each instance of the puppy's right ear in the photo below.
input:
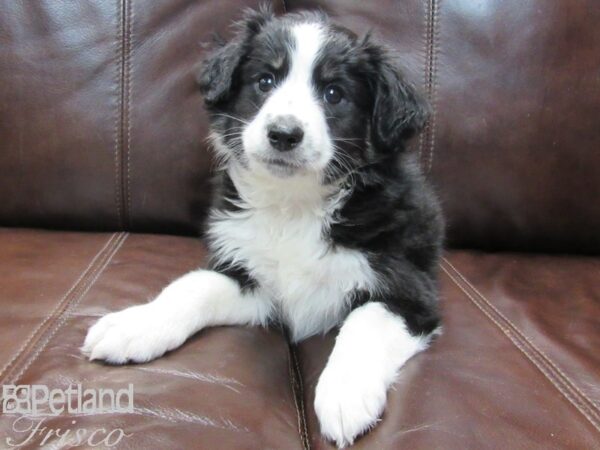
(217, 76)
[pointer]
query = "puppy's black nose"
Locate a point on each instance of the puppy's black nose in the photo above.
(285, 133)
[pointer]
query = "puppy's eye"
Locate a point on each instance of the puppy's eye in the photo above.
(333, 94)
(266, 82)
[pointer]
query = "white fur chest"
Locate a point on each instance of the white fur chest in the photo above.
(280, 242)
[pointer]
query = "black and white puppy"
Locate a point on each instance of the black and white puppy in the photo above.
(321, 219)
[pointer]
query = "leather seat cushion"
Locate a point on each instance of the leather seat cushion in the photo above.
(516, 365)
(227, 385)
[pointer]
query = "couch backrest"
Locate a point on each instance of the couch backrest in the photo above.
(101, 125)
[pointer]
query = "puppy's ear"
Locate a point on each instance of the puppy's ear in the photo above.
(217, 74)
(399, 111)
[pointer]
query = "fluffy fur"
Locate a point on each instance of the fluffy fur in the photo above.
(320, 218)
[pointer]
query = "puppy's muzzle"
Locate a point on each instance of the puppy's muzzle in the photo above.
(285, 133)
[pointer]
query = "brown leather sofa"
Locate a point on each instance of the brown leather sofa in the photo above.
(103, 182)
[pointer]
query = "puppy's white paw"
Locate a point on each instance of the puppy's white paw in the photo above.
(348, 404)
(137, 334)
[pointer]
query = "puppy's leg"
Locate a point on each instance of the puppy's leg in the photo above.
(373, 343)
(199, 299)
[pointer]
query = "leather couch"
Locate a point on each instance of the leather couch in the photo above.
(104, 174)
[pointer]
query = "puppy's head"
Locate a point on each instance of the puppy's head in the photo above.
(296, 94)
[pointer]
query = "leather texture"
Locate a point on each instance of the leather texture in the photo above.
(101, 123)
(102, 128)
(515, 367)
(228, 386)
(515, 95)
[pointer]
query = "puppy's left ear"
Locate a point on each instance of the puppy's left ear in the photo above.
(399, 111)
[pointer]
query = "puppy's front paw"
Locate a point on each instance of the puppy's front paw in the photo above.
(137, 334)
(348, 404)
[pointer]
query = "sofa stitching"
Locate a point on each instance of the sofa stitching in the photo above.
(129, 91)
(122, 141)
(426, 35)
(82, 291)
(427, 137)
(561, 374)
(517, 339)
(297, 388)
(284, 6)
(117, 157)
(56, 308)
(433, 79)
(520, 344)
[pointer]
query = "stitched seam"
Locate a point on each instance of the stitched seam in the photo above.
(129, 91)
(117, 134)
(284, 6)
(521, 346)
(57, 308)
(123, 112)
(297, 388)
(433, 79)
(517, 340)
(543, 355)
(426, 45)
(427, 137)
(82, 291)
(76, 294)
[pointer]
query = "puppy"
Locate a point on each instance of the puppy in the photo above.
(321, 219)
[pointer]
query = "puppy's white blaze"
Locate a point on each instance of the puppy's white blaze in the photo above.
(296, 96)
(308, 40)
(373, 344)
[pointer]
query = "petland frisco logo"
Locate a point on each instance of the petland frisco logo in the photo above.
(37, 399)
(31, 405)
